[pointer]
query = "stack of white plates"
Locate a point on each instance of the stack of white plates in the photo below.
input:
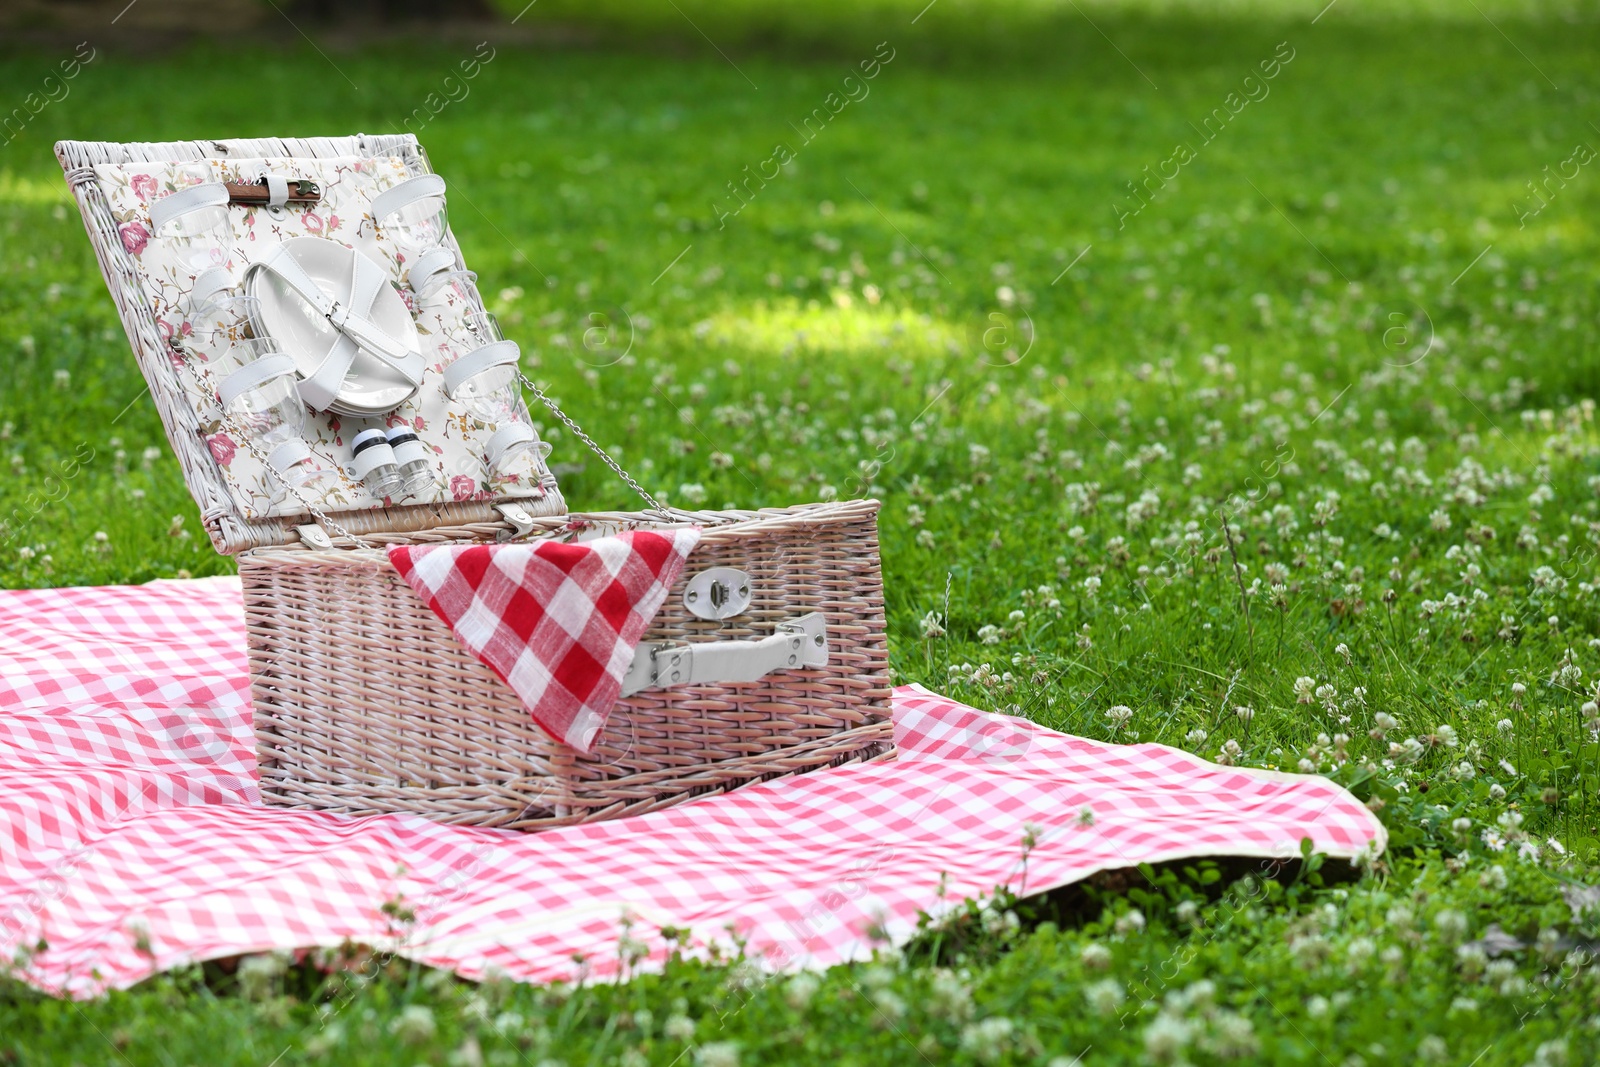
(373, 387)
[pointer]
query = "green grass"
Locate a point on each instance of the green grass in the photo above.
(1057, 453)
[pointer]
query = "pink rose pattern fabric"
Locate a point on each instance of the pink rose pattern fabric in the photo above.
(349, 186)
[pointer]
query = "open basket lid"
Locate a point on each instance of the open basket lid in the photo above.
(378, 322)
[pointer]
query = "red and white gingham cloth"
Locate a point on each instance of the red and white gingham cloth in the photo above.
(134, 839)
(556, 622)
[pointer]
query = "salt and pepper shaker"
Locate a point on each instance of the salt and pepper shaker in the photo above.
(374, 463)
(413, 458)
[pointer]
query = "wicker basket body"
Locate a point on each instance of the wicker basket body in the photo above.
(365, 702)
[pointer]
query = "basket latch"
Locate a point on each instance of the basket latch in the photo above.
(521, 522)
(314, 536)
(717, 593)
(798, 643)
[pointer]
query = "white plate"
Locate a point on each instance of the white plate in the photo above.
(372, 387)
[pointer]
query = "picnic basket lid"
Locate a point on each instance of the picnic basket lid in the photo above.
(114, 184)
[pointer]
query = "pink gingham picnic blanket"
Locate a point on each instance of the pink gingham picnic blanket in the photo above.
(556, 622)
(134, 838)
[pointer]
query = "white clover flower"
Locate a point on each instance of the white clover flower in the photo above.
(1551, 1053)
(1105, 996)
(931, 626)
(1302, 689)
(1432, 1049)
(1505, 726)
(989, 635)
(797, 992)
(950, 997)
(1130, 922)
(1451, 924)
(1166, 1038)
(1120, 715)
(678, 1028)
(1232, 1037)
(1195, 738)
(717, 1054)
(889, 1005)
(414, 1025)
(1091, 586)
(1095, 956)
(1244, 712)
(988, 1039)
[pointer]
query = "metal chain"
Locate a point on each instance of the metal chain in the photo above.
(204, 380)
(321, 516)
(605, 457)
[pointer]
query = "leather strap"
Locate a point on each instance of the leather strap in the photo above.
(277, 189)
(405, 193)
(508, 439)
(256, 372)
(355, 328)
(474, 363)
(208, 283)
(288, 453)
(182, 202)
(430, 263)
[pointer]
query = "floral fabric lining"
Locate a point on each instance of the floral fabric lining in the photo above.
(348, 186)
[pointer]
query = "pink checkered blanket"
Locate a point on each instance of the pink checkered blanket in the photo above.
(134, 838)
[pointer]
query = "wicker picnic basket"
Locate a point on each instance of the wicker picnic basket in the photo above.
(366, 703)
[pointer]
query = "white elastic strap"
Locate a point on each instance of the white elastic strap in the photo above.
(436, 261)
(474, 363)
(407, 192)
(287, 454)
(182, 202)
(369, 458)
(277, 189)
(320, 390)
(508, 440)
(278, 260)
(255, 373)
(367, 280)
(208, 283)
(321, 386)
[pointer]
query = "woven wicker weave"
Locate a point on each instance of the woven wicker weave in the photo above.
(366, 703)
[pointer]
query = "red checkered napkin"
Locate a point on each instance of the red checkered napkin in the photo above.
(557, 622)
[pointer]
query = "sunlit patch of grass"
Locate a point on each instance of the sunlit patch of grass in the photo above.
(32, 189)
(843, 323)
